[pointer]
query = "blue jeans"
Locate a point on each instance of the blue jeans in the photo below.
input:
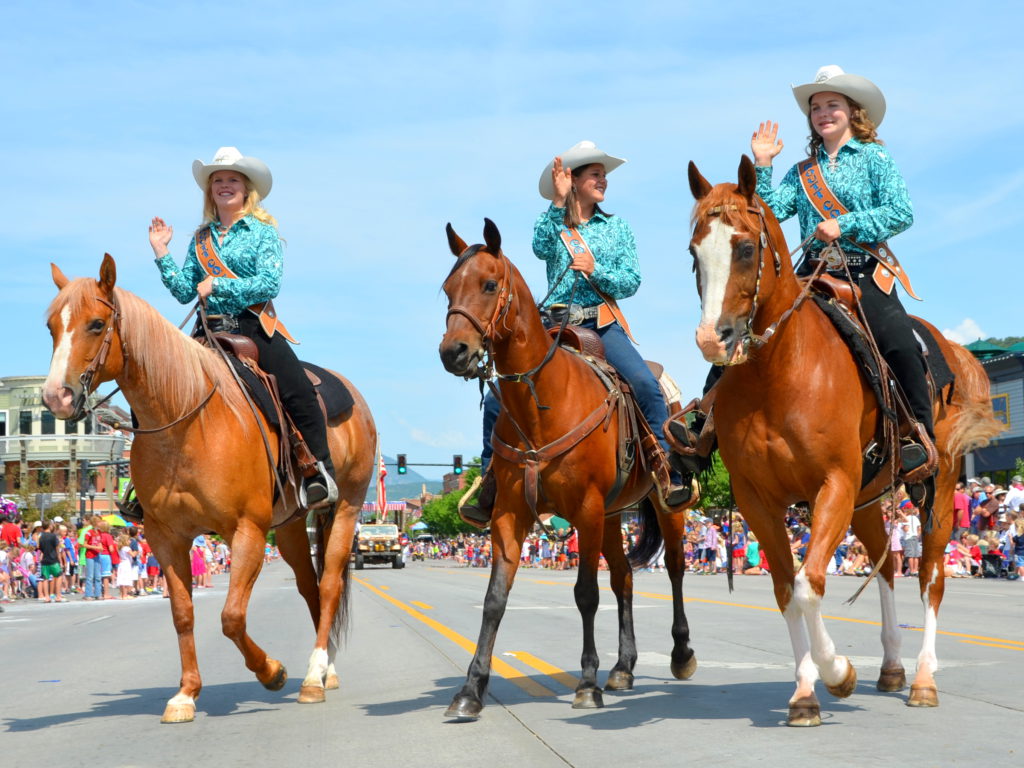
(624, 358)
(93, 581)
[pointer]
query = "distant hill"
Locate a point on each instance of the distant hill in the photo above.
(399, 486)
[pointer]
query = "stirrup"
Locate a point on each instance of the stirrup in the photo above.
(918, 458)
(129, 505)
(479, 515)
(319, 490)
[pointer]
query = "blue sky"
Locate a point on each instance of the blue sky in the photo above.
(381, 122)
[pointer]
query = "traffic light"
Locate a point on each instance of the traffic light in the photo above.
(457, 464)
(402, 469)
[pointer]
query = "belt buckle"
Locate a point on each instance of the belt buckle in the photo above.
(832, 257)
(576, 316)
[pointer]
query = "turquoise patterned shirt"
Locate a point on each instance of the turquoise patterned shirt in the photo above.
(251, 249)
(616, 268)
(866, 181)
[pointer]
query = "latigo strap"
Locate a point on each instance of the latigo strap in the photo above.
(608, 312)
(829, 206)
(214, 267)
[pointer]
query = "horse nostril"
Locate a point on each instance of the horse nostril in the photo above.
(725, 334)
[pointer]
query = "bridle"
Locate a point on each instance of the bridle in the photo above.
(764, 241)
(81, 401)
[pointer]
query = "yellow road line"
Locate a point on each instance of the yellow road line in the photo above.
(995, 645)
(503, 668)
(566, 679)
(959, 635)
(424, 606)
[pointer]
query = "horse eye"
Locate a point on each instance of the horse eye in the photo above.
(746, 251)
(490, 286)
(95, 326)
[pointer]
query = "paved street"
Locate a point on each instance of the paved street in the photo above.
(87, 682)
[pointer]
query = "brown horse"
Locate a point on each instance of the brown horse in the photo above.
(793, 418)
(207, 472)
(491, 311)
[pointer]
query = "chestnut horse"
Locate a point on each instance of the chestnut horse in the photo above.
(793, 418)
(208, 471)
(491, 312)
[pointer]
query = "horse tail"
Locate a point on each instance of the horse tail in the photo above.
(649, 539)
(974, 425)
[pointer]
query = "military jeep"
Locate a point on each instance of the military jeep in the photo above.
(377, 544)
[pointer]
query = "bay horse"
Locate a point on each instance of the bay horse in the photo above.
(793, 416)
(208, 471)
(491, 312)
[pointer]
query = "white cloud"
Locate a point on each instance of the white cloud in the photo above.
(965, 333)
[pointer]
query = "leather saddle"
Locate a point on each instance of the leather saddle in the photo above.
(634, 431)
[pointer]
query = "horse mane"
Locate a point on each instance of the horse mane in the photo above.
(178, 367)
(732, 213)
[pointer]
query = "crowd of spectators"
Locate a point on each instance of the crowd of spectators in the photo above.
(987, 540)
(52, 561)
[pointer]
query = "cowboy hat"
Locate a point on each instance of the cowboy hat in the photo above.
(832, 78)
(577, 156)
(230, 159)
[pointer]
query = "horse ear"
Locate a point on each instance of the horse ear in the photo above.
(108, 273)
(699, 186)
(492, 237)
(747, 185)
(59, 278)
(455, 243)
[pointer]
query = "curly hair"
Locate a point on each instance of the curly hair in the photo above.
(860, 125)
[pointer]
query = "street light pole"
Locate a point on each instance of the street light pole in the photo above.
(92, 498)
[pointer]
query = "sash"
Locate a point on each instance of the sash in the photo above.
(608, 312)
(828, 206)
(214, 267)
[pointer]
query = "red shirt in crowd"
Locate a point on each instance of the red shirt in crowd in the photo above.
(92, 539)
(10, 532)
(962, 510)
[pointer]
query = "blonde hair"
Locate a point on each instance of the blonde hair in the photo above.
(251, 206)
(860, 125)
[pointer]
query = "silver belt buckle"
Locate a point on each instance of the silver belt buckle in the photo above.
(576, 314)
(832, 257)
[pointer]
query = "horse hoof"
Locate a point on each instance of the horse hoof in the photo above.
(179, 712)
(685, 671)
(331, 683)
(588, 698)
(619, 680)
(923, 696)
(464, 708)
(804, 713)
(312, 694)
(846, 686)
(278, 679)
(892, 680)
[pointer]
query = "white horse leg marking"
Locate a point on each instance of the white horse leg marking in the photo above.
(317, 669)
(182, 699)
(890, 626)
(833, 668)
(927, 660)
(806, 673)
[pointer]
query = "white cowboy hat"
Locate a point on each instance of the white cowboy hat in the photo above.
(832, 78)
(230, 159)
(584, 153)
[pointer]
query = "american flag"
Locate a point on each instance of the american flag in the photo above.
(382, 496)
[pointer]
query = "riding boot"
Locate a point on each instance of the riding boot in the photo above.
(918, 457)
(479, 514)
(693, 444)
(319, 489)
(129, 505)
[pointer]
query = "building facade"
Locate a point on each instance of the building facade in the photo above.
(1005, 371)
(43, 459)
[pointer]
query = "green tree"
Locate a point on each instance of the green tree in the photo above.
(442, 514)
(715, 487)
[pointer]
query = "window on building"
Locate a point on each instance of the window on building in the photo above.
(87, 421)
(70, 427)
(3, 423)
(25, 423)
(47, 423)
